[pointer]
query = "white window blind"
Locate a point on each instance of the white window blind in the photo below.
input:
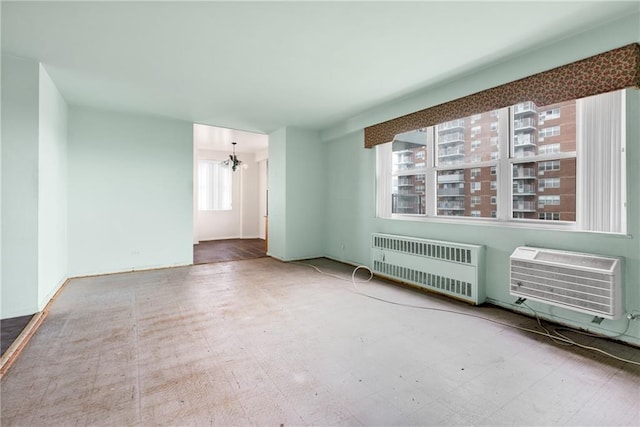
(601, 139)
(214, 186)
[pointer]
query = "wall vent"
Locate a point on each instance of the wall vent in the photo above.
(453, 269)
(581, 282)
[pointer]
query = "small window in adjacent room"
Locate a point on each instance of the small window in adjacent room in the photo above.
(214, 186)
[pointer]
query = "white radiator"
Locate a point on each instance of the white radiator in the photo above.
(453, 269)
(580, 282)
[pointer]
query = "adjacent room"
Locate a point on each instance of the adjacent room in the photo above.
(320, 213)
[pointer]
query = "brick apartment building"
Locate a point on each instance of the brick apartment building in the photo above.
(543, 188)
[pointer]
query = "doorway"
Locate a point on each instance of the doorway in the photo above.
(230, 203)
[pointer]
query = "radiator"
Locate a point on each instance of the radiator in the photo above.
(581, 282)
(453, 269)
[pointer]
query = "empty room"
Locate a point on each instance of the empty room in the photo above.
(432, 208)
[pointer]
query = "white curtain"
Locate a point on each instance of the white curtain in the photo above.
(601, 179)
(214, 186)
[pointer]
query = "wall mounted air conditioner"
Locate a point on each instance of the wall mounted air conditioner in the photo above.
(581, 282)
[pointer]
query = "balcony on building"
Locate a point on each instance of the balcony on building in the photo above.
(526, 124)
(524, 173)
(524, 206)
(526, 151)
(524, 190)
(524, 108)
(454, 206)
(524, 140)
(451, 152)
(455, 191)
(451, 177)
(451, 138)
(452, 125)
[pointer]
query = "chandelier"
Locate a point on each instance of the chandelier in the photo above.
(233, 159)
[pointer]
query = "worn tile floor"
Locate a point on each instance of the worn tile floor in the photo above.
(261, 342)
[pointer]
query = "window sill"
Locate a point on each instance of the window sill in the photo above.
(516, 224)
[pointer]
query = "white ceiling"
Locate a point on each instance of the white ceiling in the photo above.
(258, 66)
(220, 139)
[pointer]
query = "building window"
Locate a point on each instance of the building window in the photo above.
(549, 216)
(494, 140)
(548, 183)
(214, 186)
(541, 178)
(494, 126)
(550, 131)
(549, 149)
(548, 201)
(475, 213)
(553, 165)
(554, 113)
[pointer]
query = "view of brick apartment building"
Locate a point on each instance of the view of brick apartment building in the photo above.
(543, 188)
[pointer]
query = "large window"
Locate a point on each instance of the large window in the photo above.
(515, 164)
(214, 186)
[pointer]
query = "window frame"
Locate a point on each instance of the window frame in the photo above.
(503, 167)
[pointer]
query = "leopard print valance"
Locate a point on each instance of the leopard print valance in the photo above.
(606, 72)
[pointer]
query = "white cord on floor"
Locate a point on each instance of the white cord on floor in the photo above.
(558, 338)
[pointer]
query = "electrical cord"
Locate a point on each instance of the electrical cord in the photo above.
(558, 338)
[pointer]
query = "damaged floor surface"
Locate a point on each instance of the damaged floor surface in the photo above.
(261, 342)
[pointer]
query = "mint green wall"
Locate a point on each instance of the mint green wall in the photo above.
(19, 290)
(305, 194)
(130, 192)
(350, 207)
(52, 189)
(277, 203)
(296, 194)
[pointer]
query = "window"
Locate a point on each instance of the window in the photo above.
(549, 114)
(548, 183)
(214, 186)
(459, 172)
(494, 126)
(548, 201)
(553, 165)
(549, 149)
(549, 216)
(550, 131)
(408, 164)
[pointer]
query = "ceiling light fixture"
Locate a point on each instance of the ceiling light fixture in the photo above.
(233, 159)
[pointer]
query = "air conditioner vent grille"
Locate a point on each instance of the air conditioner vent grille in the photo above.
(581, 282)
